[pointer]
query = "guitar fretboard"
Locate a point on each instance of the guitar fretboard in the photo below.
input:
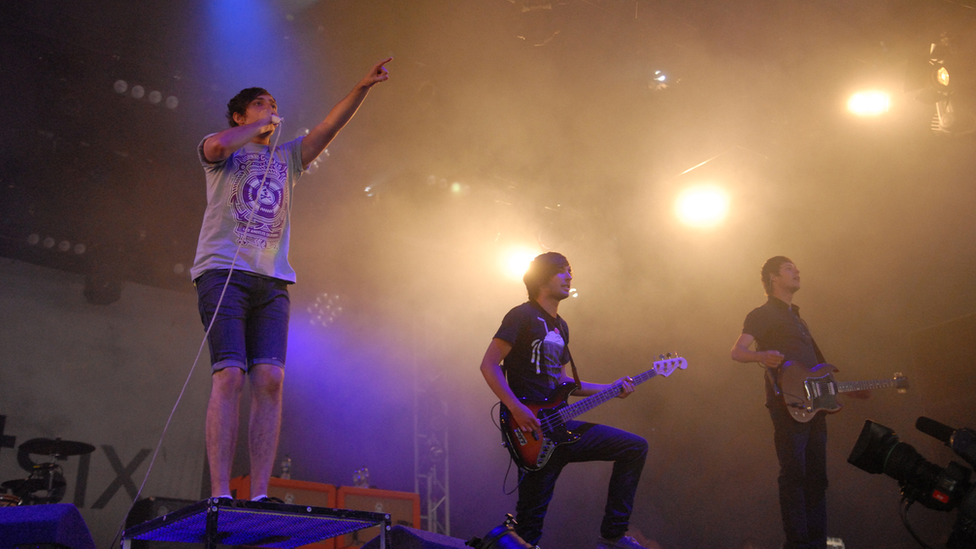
(848, 386)
(569, 412)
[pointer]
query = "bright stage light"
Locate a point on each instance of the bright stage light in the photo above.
(702, 206)
(869, 103)
(518, 261)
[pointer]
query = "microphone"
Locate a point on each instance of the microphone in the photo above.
(275, 119)
(935, 429)
(962, 441)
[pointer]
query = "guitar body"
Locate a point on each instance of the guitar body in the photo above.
(529, 453)
(808, 390)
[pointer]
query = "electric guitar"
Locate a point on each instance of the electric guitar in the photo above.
(811, 390)
(533, 453)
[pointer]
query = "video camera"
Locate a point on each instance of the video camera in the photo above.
(878, 450)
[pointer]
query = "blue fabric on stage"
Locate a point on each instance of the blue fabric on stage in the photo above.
(59, 523)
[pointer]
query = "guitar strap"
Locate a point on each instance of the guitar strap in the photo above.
(579, 385)
(775, 378)
(820, 356)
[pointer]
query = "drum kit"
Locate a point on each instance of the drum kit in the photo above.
(46, 483)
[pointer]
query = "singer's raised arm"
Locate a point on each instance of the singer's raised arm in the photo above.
(320, 136)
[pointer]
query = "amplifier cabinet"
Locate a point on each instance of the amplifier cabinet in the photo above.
(149, 508)
(294, 492)
(403, 508)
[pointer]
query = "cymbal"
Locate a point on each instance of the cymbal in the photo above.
(56, 447)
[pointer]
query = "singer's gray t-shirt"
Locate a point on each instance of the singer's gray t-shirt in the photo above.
(236, 214)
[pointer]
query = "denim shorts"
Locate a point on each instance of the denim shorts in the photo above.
(252, 324)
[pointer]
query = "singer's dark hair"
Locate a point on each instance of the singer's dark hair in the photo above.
(771, 267)
(238, 105)
(542, 268)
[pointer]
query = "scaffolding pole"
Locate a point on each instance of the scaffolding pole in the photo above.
(431, 455)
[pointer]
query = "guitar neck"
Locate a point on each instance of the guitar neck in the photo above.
(585, 405)
(849, 386)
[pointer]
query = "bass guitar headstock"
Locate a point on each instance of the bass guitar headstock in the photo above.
(668, 364)
(901, 383)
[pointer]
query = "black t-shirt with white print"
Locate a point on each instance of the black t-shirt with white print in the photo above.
(539, 350)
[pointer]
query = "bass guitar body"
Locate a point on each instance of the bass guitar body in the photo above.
(533, 453)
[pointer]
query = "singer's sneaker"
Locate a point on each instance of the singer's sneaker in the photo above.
(268, 499)
(624, 542)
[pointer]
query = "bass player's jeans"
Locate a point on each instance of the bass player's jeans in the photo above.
(627, 451)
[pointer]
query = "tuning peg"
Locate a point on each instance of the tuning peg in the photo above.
(661, 357)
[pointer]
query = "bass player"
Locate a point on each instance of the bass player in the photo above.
(528, 359)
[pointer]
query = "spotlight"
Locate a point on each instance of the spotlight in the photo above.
(155, 97)
(658, 81)
(502, 537)
(929, 77)
(48, 242)
(702, 206)
(138, 92)
(172, 102)
(121, 86)
(64, 246)
(869, 103)
(518, 261)
(33, 239)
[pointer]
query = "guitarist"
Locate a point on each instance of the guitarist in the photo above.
(531, 348)
(781, 335)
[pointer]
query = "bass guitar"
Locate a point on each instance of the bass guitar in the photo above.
(811, 390)
(533, 453)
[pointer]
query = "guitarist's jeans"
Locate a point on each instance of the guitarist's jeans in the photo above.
(802, 452)
(596, 443)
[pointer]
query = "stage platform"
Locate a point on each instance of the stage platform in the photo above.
(221, 521)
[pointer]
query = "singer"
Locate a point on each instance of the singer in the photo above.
(243, 247)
